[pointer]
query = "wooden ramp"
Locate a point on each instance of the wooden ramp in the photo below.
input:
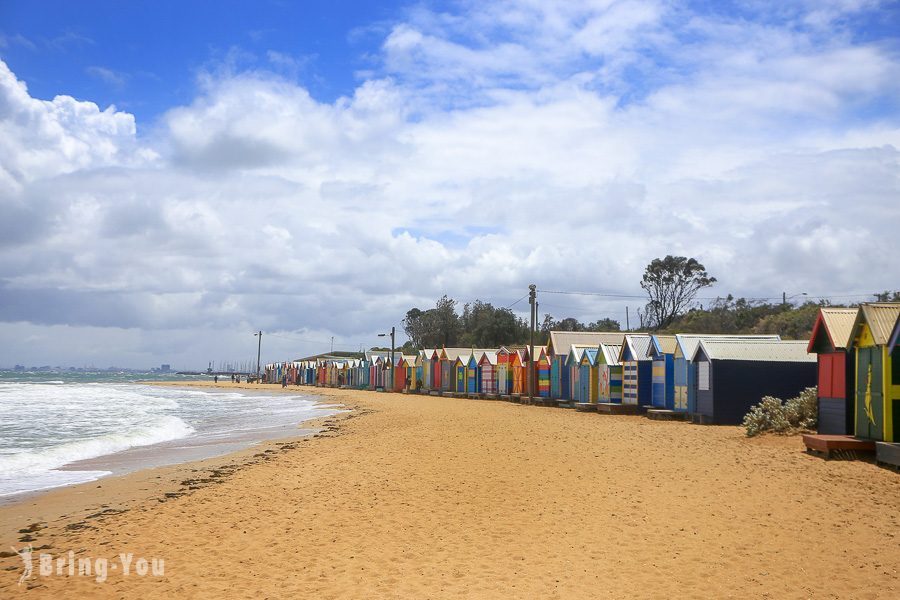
(614, 408)
(887, 454)
(664, 414)
(838, 446)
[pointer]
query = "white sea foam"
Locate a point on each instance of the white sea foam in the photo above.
(45, 426)
(161, 429)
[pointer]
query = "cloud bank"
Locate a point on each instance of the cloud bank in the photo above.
(565, 144)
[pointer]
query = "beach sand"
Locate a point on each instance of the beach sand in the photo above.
(425, 497)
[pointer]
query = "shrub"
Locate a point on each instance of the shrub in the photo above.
(802, 412)
(771, 414)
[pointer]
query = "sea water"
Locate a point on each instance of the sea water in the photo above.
(59, 428)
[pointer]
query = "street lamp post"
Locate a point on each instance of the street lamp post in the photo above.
(392, 355)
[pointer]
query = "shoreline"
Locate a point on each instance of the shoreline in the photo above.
(417, 496)
(124, 487)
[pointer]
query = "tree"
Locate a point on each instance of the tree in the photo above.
(572, 324)
(672, 284)
(435, 327)
(794, 324)
(484, 326)
(415, 326)
(446, 322)
(604, 325)
(887, 296)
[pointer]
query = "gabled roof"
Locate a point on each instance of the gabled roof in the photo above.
(688, 342)
(519, 353)
(453, 353)
(833, 329)
(881, 318)
(754, 350)
(534, 351)
(662, 344)
(488, 355)
(637, 345)
(610, 353)
(591, 355)
(576, 351)
(561, 341)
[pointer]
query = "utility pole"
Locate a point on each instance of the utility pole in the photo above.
(393, 368)
(532, 300)
(258, 353)
(332, 344)
(627, 324)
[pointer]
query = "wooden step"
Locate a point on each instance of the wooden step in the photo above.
(838, 446)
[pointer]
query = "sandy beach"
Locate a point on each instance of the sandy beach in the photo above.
(425, 497)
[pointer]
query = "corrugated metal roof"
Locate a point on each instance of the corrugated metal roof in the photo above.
(453, 353)
(638, 345)
(881, 317)
(535, 351)
(839, 323)
(755, 350)
(611, 353)
(688, 342)
(576, 351)
(562, 341)
(664, 344)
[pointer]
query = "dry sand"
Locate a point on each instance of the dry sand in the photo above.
(422, 497)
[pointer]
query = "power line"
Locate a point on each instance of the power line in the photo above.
(603, 294)
(516, 302)
(641, 297)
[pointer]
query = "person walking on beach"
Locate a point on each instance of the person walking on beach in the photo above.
(284, 381)
(215, 379)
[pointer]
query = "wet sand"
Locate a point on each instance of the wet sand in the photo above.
(424, 497)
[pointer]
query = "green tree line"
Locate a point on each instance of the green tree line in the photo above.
(671, 283)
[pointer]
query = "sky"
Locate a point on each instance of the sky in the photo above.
(175, 176)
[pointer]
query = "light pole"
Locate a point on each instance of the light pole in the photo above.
(785, 297)
(532, 300)
(392, 355)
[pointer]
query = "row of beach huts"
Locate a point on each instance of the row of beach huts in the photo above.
(852, 357)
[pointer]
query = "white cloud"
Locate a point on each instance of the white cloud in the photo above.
(763, 152)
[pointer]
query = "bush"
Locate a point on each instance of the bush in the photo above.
(802, 412)
(771, 414)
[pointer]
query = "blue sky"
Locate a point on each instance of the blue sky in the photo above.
(177, 175)
(144, 56)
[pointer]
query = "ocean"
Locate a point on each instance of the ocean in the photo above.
(63, 428)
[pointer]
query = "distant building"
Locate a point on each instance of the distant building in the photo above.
(165, 368)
